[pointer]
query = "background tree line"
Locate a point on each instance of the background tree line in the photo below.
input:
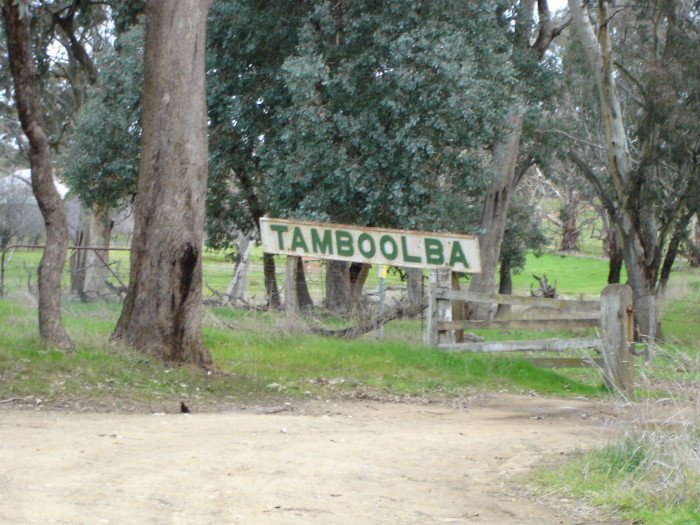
(409, 114)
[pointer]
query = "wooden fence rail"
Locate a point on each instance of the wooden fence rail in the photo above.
(611, 315)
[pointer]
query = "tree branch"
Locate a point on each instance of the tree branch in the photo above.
(574, 138)
(595, 181)
(548, 32)
(635, 81)
(75, 48)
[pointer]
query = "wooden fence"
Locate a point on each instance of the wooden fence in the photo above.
(611, 315)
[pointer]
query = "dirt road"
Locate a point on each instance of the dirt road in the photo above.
(346, 462)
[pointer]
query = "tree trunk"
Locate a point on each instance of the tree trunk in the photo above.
(271, 289)
(505, 158)
(248, 190)
(415, 288)
(338, 287)
(494, 215)
(5, 238)
(29, 108)
(77, 260)
(616, 260)
(304, 299)
(671, 254)
(162, 309)
(693, 243)
(236, 290)
(89, 273)
(613, 250)
(505, 286)
(358, 273)
(568, 215)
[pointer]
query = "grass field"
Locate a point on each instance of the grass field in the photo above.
(261, 356)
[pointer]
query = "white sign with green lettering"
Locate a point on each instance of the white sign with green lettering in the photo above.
(371, 245)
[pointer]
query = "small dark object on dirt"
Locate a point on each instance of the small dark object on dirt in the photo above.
(184, 408)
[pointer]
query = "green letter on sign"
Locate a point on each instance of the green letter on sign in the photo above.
(406, 256)
(370, 250)
(279, 229)
(343, 242)
(298, 240)
(458, 255)
(319, 244)
(394, 249)
(433, 251)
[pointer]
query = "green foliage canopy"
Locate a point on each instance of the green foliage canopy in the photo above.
(101, 162)
(370, 113)
(391, 107)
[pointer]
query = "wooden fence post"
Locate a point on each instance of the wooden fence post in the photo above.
(438, 309)
(458, 310)
(618, 363)
(291, 302)
(430, 335)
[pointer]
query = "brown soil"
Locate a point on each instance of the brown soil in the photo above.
(335, 462)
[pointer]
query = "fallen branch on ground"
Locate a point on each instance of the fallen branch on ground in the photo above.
(368, 325)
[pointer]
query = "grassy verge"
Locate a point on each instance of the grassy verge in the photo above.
(634, 481)
(258, 356)
(650, 473)
(297, 360)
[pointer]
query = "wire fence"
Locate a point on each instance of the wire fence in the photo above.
(19, 265)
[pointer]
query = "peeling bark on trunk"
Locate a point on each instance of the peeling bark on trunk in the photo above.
(162, 309)
(29, 108)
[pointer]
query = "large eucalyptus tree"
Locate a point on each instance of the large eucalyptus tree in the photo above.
(649, 98)
(162, 309)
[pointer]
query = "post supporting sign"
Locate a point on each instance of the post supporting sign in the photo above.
(412, 249)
